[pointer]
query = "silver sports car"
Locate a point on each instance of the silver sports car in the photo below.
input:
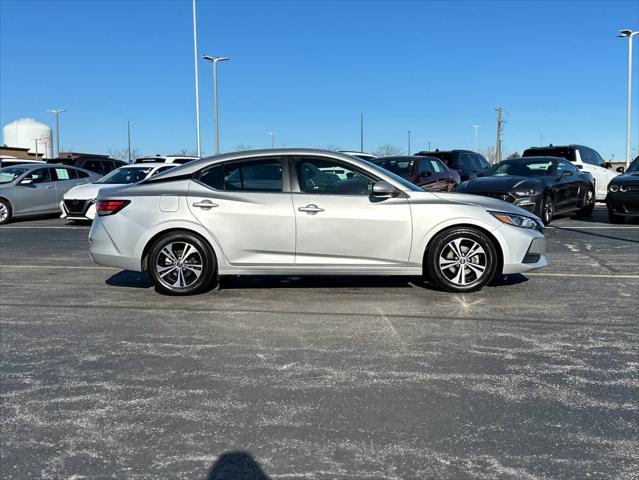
(37, 189)
(306, 212)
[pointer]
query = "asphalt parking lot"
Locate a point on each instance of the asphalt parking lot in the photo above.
(536, 376)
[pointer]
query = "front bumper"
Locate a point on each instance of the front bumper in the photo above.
(77, 209)
(623, 203)
(523, 249)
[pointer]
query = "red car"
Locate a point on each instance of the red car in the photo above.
(428, 173)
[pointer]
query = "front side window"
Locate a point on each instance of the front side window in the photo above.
(564, 166)
(318, 175)
(41, 175)
(250, 176)
(424, 168)
(9, 174)
(93, 165)
(480, 162)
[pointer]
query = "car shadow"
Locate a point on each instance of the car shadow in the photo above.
(236, 465)
(130, 279)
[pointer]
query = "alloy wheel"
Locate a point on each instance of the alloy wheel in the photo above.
(547, 209)
(4, 212)
(179, 264)
(463, 261)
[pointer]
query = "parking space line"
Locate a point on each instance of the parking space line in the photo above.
(61, 267)
(586, 275)
(69, 227)
(567, 227)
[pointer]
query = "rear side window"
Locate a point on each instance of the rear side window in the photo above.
(480, 162)
(437, 166)
(107, 166)
(250, 176)
(425, 167)
(93, 165)
(82, 174)
(65, 174)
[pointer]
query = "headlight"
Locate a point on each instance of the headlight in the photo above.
(517, 220)
(613, 188)
(623, 188)
(526, 193)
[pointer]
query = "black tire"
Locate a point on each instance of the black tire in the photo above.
(547, 209)
(451, 278)
(614, 218)
(589, 205)
(5, 211)
(173, 273)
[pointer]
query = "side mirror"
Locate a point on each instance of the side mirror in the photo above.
(26, 181)
(621, 169)
(566, 174)
(580, 167)
(383, 189)
(607, 164)
(426, 174)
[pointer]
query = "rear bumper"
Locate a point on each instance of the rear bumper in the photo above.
(104, 251)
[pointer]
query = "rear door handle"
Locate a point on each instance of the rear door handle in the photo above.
(311, 209)
(205, 204)
(49, 186)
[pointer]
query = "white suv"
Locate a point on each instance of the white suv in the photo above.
(585, 159)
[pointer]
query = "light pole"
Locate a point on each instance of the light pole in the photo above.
(128, 126)
(629, 34)
(476, 127)
(272, 134)
(214, 61)
(361, 132)
(57, 129)
(408, 143)
(197, 85)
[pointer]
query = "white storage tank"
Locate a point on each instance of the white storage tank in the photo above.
(23, 133)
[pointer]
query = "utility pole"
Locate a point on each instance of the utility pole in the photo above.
(629, 34)
(57, 129)
(197, 85)
(408, 153)
(36, 147)
(272, 134)
(429, 146)
(215, 61)
(541, 139)
(361, 132)
(128, 125)
(500, 126)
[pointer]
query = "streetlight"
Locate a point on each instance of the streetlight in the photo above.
(214, 61)
(408, 143)
(629, 34)
(272, 134)
(57, 129)
(476, 127)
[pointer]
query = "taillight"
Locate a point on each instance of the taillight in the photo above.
(109, 207)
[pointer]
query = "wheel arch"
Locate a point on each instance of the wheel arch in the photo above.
(489, 235)
(156, 236)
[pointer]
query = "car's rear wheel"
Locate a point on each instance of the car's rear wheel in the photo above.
(461, 260)
(181, 263)
(5, 211)
(589, 204)
(547, 209)
(614, 218)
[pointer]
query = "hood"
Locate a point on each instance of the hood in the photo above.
(506, 183)
(626, 179)
(88, 191)
(487, 203)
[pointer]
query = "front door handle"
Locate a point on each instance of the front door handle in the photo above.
(49, 186)
(311, 209)
(205, 204)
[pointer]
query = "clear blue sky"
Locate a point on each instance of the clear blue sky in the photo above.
(307, 69)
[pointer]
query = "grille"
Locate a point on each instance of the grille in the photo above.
(506, 197)
(76, 206)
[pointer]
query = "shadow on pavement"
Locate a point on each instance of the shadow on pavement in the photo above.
(236, 465)
(127, 278)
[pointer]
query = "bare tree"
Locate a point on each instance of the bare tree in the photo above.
(513, 155)
(489, 153)
(123, 154)
(242, 148)
(387, 150)
(332, 147)
(188, 152)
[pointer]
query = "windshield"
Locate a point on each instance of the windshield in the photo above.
(395, 177)
(523, 168)
(9, 174)
(126, 175)
(634, 166)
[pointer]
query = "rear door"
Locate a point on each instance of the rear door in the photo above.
(339, 223)
(246, 206)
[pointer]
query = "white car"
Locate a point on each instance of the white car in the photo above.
(79, 202)
(585, 159)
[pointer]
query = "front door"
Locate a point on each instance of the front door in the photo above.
(244, 206)
(338, 221)
(39, 196)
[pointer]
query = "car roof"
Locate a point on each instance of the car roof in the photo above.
(548, 147)
(533, 158)
(427, 152)
(194, 166)
(406, 157)
(147, 165)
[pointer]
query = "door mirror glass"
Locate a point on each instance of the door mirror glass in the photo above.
(26, 181)
(607, 164)
(383, 189)
(566, 174)
(580, 167)
(621, 169)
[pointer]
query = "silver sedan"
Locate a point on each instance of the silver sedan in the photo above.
(307, 212)
(37, 189)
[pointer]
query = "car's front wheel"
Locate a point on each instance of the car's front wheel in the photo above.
(589, 205)
(461, 260)
(5, 211)
(181, 263)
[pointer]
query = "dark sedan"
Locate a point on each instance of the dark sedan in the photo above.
(623, 194)
(547, 186)
(428, 173)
